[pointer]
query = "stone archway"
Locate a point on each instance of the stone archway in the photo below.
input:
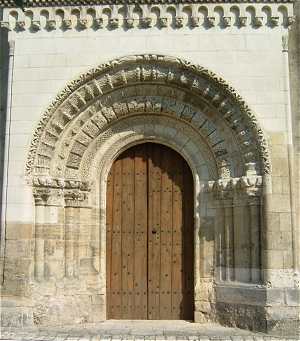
(128, 101)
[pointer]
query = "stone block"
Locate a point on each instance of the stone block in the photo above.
(292, 297)
(279, 203)
(243, 294)
(280, 166)
(18, 249)
(275, 296)
(278, 138)
(285, 221)
(19, 231)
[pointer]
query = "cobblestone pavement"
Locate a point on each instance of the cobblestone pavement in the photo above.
(138, 331)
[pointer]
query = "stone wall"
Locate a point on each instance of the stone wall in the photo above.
(243, 45)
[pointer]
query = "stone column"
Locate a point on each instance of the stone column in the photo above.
(255, 235)
(225, 229)
(76, 201)
(72, 216)
(251, 190)
(229, 239)
(41, 196)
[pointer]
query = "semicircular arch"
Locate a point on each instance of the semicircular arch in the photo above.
(153, 85)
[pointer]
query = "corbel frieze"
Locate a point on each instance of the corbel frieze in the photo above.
(140, 15)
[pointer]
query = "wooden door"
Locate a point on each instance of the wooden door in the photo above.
(150, 227)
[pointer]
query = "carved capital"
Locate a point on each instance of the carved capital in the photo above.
(48, 182)
(75, 198)
(251, 186)
(41, 196)
(224, 189)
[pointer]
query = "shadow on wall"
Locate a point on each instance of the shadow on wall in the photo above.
(4, 51)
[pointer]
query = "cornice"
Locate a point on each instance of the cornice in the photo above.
(53, 3)
(144, 16)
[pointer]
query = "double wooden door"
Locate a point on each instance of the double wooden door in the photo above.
(150, 233)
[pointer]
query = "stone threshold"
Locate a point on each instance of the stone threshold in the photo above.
(113, 330)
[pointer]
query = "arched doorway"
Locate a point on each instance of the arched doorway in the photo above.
(150, 235)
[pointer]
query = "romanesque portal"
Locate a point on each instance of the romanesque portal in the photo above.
(129, 101)
(151, 115)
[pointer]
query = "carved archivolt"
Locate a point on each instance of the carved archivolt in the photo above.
(140, 15)
(154, 85)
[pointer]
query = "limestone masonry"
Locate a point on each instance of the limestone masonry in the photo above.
(216, 81)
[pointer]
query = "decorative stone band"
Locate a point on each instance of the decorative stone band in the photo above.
(179, 15)
(251, 186)
(60, 192)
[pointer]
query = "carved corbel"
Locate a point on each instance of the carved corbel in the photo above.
(129, 22)
(98, 22)
(114, 22)
(258, 21)
(51, 25)
(179, 22)
(274, 21)
(146, 22)
(20, 25)
(83, 23)
(67, 24)
(210, 21)
(195, 21)
(226, 21)
(163, 21)
(242, 21)
(36, 25)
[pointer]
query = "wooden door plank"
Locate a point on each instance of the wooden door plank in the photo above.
(109, 223)
(116, 250)
(166, 239)
(177, 265)
(141, 222)
(154, 231)
(128, 234)
(188, 248)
